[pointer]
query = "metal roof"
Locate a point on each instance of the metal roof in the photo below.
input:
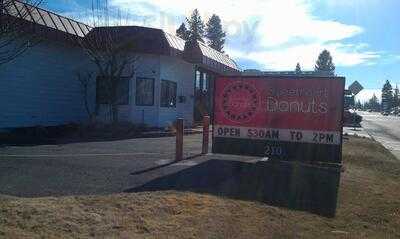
(147, 40)
(217, 56)
(175, 42)
(253, 72)
(46, 18)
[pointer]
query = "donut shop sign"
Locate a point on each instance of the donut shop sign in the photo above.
(290, 118)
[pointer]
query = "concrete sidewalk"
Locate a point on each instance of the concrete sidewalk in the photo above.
(384, 129)
(360, 132)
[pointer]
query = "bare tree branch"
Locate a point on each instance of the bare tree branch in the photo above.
(112, 56)
(86, 80)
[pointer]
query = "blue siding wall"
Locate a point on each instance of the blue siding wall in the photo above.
(177, 70)
(159, 68)
(148, 66)
(40, 88)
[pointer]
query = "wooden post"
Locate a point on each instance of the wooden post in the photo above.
(206, 130)
(179, 140)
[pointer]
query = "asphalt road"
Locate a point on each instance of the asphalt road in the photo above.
(384, 129)
(90, 167)
(99, 168)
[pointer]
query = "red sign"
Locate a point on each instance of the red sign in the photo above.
(291, 109)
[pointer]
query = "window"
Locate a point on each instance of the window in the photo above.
(205, 80)
(197, 80)
(168, 93)
(103, 94)
(123, 91)
(145, 91)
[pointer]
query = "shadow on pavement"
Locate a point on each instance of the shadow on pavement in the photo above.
(295, 186)
(165, 165)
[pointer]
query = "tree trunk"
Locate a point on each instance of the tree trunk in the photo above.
(114, 109)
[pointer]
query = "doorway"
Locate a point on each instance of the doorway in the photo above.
(203, 94)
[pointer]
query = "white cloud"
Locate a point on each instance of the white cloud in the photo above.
(366, 94)
(299, 23)
(275, 33)
(286, 58)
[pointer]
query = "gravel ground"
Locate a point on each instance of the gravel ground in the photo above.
(90, 167)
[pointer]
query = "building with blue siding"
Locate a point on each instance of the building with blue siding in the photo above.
(171, 78)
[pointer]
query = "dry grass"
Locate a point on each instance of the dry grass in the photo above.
(369, 207)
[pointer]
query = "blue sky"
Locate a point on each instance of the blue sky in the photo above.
(362, 35)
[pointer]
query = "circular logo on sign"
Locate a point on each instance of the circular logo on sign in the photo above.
(240, 101)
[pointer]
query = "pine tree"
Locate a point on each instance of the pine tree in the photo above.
(396, 97)
(182, 32)
(373, 103)
(196, 27)
(298, 69)
(387, 96)
(215, 34)
(325, 63)
(367, 105)
(358, 105)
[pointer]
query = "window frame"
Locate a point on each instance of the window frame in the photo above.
(128, 79)
(137, 103)
(101, 100)
(165, 103)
